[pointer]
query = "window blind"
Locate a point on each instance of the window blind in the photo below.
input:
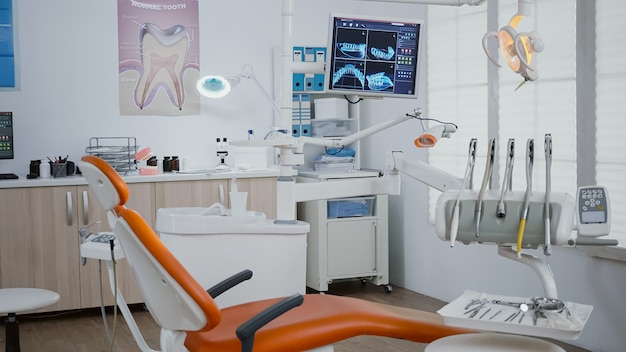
(611, 109)
(457, 87)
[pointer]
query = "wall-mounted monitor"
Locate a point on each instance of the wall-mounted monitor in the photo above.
(373, 56)
(6, 135)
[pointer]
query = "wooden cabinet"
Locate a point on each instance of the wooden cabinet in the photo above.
(39, 241)
(346, 247)
(261, 194)
(201, 193)
(204, 193)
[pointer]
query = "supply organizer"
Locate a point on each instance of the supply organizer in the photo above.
(356, 225)
(117, 151)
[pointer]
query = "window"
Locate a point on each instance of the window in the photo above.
(611, 109)
(458, 73)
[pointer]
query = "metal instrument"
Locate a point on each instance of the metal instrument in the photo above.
(506, 181)
(530, 156)
(491, 153)
(471, 159)
(547, 249)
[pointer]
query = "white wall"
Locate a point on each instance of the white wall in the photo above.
(69, 93)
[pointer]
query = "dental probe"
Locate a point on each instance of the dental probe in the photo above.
(547, 249)
(530, 155)
(501, 211)
(471, 158)
(488, 169)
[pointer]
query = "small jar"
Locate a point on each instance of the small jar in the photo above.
(167, 164)
(175, 164)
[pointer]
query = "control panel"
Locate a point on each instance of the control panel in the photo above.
(592, 211)
(103, 246)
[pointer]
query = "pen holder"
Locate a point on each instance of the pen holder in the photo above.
(58, 169)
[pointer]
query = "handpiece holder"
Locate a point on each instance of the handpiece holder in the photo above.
(503, 230)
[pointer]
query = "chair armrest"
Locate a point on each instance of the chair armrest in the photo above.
(246, 331)
(229, 283)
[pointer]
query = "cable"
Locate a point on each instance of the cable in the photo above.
(112, 246)
(352, 102)
(335, 153)
(102, 308)
(431, 119)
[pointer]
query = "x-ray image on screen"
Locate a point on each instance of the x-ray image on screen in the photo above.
(371, 56)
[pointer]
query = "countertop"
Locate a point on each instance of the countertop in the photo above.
(135, 178)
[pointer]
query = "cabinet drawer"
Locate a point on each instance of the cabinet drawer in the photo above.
(351, 248)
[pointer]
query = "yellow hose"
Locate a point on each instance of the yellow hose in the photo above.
(520, 235)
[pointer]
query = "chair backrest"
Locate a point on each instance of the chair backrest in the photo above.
(172, 295)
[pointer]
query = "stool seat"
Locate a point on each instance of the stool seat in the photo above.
(14, 300)
(18, 299)
(491, 342)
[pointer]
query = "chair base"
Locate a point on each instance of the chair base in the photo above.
(491, 342)
(12, 331)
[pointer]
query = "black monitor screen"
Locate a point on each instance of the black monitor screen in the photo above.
(6, 135)
(371, 56)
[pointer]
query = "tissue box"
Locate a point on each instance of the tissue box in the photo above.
(252, 158)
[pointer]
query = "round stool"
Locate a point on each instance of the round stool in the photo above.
(491, 342)
(13, 300)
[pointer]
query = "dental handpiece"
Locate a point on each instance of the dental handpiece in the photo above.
(454, 223)
(501, 210)
(530, 155)
(488, 170)
(547, 249)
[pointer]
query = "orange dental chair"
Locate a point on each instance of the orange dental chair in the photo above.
(189, 317)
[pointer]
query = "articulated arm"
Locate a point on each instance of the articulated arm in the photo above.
(433, 177)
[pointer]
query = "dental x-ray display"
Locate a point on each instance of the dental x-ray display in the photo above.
(370, 56)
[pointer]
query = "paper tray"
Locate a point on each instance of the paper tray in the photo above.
(558, 325)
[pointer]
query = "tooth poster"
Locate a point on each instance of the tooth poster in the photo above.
(159, 49)
(7, 54)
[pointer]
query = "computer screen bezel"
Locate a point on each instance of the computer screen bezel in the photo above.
(331, 54)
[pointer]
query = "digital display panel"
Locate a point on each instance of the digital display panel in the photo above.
(6, 135)
(370, 56)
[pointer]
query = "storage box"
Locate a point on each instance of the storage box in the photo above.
(332, 128)
(331, 108)
(252, 158)
(350, 207)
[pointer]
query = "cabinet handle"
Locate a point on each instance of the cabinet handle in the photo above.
(70, 210)
(85, 208)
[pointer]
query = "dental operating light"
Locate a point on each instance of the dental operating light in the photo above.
(429, 138)
(517, 49)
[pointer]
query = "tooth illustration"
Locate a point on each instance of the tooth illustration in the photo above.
(163, 56)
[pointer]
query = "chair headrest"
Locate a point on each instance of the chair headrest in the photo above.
(106, 183)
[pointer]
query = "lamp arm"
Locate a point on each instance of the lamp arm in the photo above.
(267, 97)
